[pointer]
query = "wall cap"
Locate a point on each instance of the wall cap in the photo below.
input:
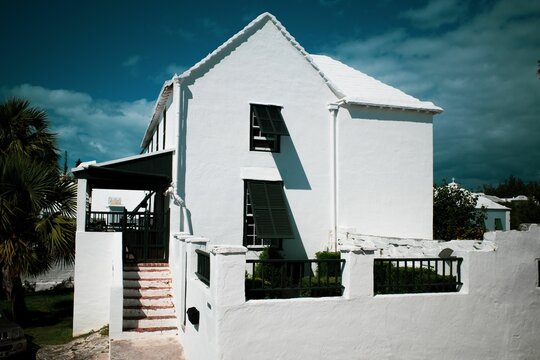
(228, 249)
(197, 240)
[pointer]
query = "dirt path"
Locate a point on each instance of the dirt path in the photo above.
(92, 347)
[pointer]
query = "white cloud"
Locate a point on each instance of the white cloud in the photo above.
(132, 61)
(482, 73)
(88, 128)
(437, 13)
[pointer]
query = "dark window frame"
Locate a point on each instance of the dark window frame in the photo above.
(250, 238)
(164, 127)
(157, 137)
(266, 138)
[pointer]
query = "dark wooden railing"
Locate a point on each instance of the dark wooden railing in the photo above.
(120, 221)
(417, 275)
(143, 233)
(203, 266)
(282, 279)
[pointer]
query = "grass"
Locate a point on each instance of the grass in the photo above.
(50, 316)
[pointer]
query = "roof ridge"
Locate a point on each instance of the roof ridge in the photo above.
(264, 16)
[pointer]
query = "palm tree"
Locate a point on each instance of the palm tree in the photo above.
(37, 203)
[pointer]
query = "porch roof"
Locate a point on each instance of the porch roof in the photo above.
(142, 172)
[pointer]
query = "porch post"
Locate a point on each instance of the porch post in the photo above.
(82, 188)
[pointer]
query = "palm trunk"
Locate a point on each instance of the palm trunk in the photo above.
(14, 293)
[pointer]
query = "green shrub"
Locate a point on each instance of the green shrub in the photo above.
(390, 280)
(320, 287)
(330, 269)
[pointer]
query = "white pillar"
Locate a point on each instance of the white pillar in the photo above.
(357, 275)
(227, 275)
(82, 185)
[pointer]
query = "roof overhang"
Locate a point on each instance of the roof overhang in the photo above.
(143, 172)
(428, 108)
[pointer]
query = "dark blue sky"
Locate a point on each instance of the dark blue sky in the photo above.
(97, 66)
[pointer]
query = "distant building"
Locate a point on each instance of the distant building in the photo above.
(497, 215)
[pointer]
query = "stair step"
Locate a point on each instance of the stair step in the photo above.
(160, 302)
(172, 330)
(147, 292)
(150, 317)
(135, 275)
(141, 312)
(149, 323)
(147, 283)
(138, 266)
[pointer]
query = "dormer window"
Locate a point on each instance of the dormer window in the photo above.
(266, 127)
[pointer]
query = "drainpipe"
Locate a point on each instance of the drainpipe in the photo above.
(333, 110)
(177, 199)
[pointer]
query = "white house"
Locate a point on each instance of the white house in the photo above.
(497, 215)
(259, 144)
(335, 148)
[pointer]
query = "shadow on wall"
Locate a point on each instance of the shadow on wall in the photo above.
(294, 248)
(289, 166)
(359, 113)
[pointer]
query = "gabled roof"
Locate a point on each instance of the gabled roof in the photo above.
(483, 201)
(349, 85)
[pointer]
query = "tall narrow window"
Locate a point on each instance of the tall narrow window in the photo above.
(157, 137)
(266, 218)
(164, 127)
(266, 127)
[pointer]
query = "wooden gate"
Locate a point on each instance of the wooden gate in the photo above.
(145, 237)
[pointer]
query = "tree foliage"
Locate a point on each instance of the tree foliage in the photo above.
(37, 202)
(455, 215)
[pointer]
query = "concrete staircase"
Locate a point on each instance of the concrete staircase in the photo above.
(148, 306)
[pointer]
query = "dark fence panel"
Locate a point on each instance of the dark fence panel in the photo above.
(120, 221)
(416, 275)
(203, 266)
(282, 279)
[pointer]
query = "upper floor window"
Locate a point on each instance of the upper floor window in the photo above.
(164, 127)
(266, 127)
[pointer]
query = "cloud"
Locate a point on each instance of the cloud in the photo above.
(437, 13)
(482, 72)
(132, 61)
(88, 128)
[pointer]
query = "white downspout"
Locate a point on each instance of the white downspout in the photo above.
(333, 109)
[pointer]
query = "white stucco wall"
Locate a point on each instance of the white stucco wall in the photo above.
(384, 157)
(385, 172)
(94, 252)
(263, 69)
(496, 315)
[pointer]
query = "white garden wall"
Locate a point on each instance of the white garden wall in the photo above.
(496, 315)
(94, 255)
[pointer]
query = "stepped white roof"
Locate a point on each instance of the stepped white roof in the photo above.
(359, 88)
